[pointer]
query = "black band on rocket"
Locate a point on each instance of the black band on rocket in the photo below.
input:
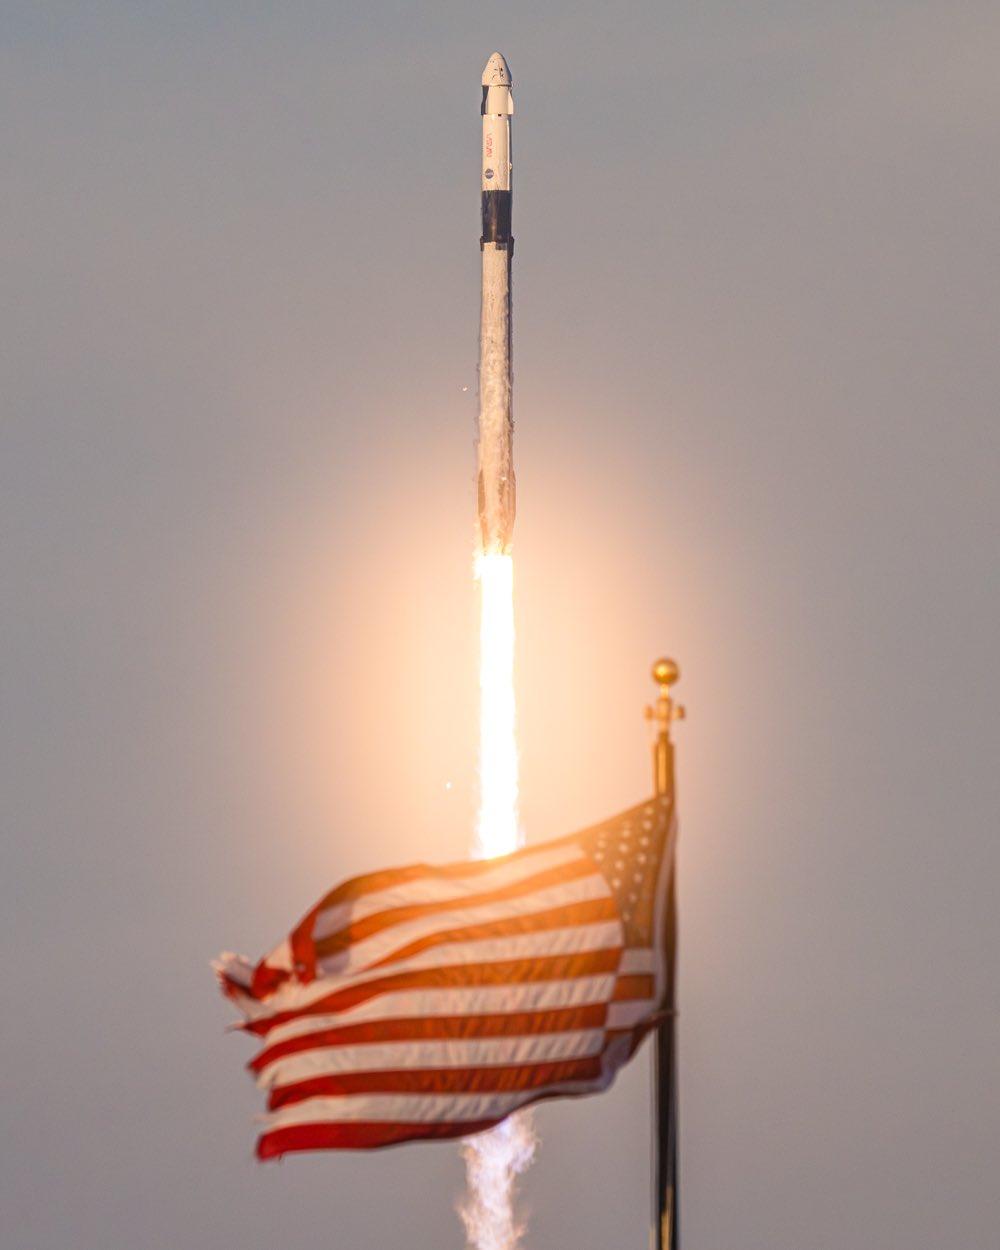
(496, 216)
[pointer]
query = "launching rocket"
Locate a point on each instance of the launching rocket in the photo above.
(496, 420)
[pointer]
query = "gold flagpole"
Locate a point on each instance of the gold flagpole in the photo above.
(666, 1223)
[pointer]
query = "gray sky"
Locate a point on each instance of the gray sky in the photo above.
(757, 384)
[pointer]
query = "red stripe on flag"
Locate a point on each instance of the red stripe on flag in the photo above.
(507, 972)
(475, 1080)
(639, 985)
(439, 1028)
(572, 915)
(370, 925)
(389, 878)
(359, 1136)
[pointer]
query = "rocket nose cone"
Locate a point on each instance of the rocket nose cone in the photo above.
(497, 72)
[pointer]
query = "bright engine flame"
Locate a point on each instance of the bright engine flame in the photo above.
(497, 831)
(494, 1160)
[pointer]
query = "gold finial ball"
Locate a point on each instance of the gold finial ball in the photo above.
(666, 672)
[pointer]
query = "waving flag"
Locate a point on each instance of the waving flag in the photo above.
(427, 1002)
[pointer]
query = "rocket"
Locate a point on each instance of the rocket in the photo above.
(496, 421)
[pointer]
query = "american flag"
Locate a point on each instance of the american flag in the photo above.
(427, 1002)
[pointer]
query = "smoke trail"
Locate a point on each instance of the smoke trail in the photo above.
(495, 1160)
(496, 429)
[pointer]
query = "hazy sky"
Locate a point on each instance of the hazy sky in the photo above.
(757, 292)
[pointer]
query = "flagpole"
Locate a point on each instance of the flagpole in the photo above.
(665, 1233)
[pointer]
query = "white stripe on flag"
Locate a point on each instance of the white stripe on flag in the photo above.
(443, 889)
(381, 945)
(571, 940)
(628, 1013)
(479, 1001)
(409, 1056)
(416, 1108)
(638, 959)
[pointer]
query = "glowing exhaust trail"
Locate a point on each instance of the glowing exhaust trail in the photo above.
(497, 830)
(494, 1160)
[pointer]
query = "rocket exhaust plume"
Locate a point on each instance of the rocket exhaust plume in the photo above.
(493, 1162)
(495, 1159)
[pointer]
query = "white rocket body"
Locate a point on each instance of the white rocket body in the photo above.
(496, 419)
